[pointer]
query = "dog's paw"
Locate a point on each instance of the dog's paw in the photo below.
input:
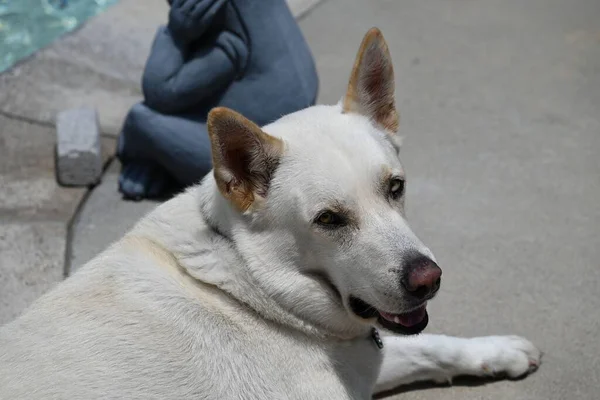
(511, 356)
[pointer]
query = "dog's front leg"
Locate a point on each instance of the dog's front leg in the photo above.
(439, 358)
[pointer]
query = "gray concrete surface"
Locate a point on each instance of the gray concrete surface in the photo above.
(301, 7)
(100, 66)
(31, 262)
(500, 104)
(27, 182)
(103, 219)
(34, 214)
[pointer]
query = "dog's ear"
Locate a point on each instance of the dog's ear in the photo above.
(244, 157)
(371, 88)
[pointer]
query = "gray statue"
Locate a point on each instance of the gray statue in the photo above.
(248, 55)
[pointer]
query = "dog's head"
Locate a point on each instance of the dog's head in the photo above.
(323, 193)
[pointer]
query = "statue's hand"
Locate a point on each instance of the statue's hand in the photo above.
(189, 19)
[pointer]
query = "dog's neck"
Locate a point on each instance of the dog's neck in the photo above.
(210, 241)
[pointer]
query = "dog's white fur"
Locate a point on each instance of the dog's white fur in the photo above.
(203, 299)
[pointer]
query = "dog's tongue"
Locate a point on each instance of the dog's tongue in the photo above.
(408, 319)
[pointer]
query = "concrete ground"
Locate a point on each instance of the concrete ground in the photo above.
(499, 102)
(99, 65)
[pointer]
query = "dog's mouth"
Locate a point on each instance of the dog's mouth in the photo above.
(408, 323)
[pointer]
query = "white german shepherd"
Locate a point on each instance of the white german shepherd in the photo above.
(267, 281)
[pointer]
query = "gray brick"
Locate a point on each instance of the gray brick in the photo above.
(78, 149)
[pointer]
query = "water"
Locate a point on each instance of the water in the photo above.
(29, 25)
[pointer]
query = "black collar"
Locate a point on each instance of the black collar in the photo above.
(376, 338)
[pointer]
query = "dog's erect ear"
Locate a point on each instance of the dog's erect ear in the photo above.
(244, 157)
(371, 88)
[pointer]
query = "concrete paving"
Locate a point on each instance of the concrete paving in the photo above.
(34, 214)
(100, 66)
(31, 262)
(103, 219)
(499, 103)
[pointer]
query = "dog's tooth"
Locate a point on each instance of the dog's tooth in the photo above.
(397, 319)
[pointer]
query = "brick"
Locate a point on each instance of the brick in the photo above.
(78, 148)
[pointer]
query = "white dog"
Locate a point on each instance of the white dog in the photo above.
(267, 281)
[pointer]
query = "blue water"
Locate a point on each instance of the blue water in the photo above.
(29, 25)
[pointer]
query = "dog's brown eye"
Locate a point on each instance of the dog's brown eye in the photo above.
(329, 219)
(396, 188)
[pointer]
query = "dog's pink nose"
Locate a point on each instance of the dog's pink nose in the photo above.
(422, 277)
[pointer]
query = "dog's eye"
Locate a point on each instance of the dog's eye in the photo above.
(396, 188)
(329, 219)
